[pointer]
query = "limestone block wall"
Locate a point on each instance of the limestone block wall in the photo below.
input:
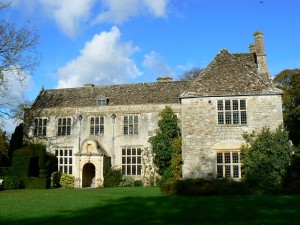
(202, 135)
(113, 139)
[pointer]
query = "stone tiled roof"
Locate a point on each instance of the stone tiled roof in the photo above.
(231, 74)
(125, 94)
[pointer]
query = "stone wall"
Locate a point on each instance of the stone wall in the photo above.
(202, 136)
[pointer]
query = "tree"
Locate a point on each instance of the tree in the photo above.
(289, 82)
(168, 130)
(3, 149)
(266, 158)
(191, 74)
(16, 140)
(18, 58)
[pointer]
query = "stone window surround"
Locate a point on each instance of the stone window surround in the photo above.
(242, 120)
(97, 126)
(228, 164)
(131, 124)
(65, 159)
(131, 161)
(40, 126)
(64, 129)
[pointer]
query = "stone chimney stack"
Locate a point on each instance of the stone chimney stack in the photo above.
(259, 50)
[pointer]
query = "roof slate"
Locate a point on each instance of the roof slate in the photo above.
(124, 94)
(231, 74)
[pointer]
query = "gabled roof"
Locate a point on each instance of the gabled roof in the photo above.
(124, 94)
(231, 74)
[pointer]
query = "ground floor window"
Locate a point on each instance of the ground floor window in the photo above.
(228, 164)
(131, 161)
(65, 160)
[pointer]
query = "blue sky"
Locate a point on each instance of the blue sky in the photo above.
(129, 41)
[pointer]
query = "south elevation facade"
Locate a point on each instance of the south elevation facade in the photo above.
(96, 127)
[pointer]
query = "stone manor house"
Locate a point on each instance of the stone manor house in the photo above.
(92, 128)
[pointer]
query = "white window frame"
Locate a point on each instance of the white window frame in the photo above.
(131, 161)
(64, 129)
(232, 112)
(96, 125)
(40, 126)
(228, 164)
(131, 124)
(65, 159)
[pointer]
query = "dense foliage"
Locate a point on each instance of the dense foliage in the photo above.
(112, 178)
(16, 141)
(162, 143)
(289, 82)
(4, 162)
(67, 181)
(266, 158)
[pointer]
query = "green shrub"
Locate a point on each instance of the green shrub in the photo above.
(4, 171)
(204, 187)
(67, 181)
(37, 183)
(13, 182)
(112, 178)
(127, 182)
(138, 183)
(55, 179)
(165, 177)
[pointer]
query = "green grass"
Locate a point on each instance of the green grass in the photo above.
(142, 206)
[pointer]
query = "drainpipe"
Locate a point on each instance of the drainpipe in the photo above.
(113, 116)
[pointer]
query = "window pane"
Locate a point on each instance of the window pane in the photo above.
(220, 171)
(235, 105)
(235, 157)
(228, 117)
(123, 151)
(220, 118)
(227, 105)
(227, 157)
(242, 104)
(227, 171)
(128, 170)
(220, 105)
(133, 172)
(219, 158)
(133, 151)
(123, 170)
(139, 151)
(236, 117)
(133, 160)
(139, 160)
(236, 173)
(128, 160)
(128, 151)
(123, 160)
(243, 117)
(70, 170)
(70, 160)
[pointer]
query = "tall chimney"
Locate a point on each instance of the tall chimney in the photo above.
(259, 50)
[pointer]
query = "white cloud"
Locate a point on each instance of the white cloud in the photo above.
(68, 15)
(155, 62)
(103, 60)
(120, 11)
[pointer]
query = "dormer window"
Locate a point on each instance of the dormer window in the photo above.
(102, 101)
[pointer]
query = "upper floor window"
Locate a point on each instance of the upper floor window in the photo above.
(232, 111)
(64, 126)
(97, 125)
(228, 164)
(131, 123)
(40, 127)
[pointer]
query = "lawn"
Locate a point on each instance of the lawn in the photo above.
(142, 206)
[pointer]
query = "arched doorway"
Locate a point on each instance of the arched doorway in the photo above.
(88, 175)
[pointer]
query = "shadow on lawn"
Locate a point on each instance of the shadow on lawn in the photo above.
(275, 210)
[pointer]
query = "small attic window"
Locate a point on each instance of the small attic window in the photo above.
(102, 101)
